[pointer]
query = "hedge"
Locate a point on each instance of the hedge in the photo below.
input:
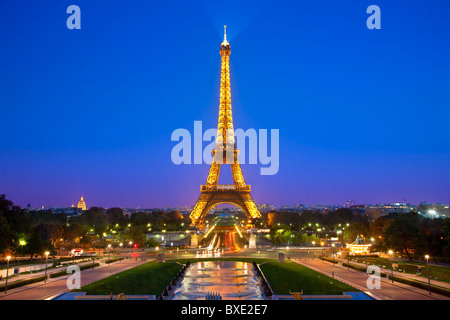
(113, 260)
(64, 272)
(329, 260)
(21, 283)
(422, 285)
(361, 268)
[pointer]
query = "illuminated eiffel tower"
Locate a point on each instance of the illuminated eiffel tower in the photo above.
(225, 152)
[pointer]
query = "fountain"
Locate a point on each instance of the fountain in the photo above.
(231, 279)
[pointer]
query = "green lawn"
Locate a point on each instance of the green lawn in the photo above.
(283, 277)
(147, 279)
(291, 275)
(153, 277)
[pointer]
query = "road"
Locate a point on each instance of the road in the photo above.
(57, 286)
(404, 275)
(388, 291)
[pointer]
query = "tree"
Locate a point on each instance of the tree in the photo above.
(5, 235)
(446, 229)
(5, 204)
(140, 218)
(94, 218)
(402, 232)
(152, 243)
(116, 216)
(355, 229)
(135, 234)
(35, 244)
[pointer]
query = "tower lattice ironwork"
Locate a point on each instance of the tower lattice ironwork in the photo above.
(225, 152)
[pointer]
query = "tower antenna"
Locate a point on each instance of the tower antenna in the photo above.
(225, 33)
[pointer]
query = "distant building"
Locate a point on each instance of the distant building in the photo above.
(382, 209)
(433, 210)
(81, 204)
(349, 204)
(396, 208)
(325, 209)
(265, 207)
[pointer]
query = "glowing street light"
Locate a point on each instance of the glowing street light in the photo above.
(7, 269)
(332, 246)
(46, 260)
(392, 265)
(428, 274)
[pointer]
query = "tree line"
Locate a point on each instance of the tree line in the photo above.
(411, 234)
(24, 232)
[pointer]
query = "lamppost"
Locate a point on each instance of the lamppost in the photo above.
(392, 265)
(46, 260)
(109, 253)
(22, 243)
(323, 250)
(348, 259)
(332, 246)
(365, 251)
(339, 235)
(7, 269)
(428, 274)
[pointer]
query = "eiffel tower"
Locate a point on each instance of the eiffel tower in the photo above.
(225, 152)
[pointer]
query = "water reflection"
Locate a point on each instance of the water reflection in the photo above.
(232, 279)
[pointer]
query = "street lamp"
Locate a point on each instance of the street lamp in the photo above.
(428, 273)
(46, 260)
(392, 265)
(7, 269)
(332, 246)
(109, 253)
(348, 259)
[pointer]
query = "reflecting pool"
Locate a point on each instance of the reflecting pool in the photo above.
(234, 280)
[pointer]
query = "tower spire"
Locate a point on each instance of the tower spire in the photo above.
(225, 42)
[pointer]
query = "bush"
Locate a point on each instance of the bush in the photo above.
(113, 260)
(361, 268)
(329, 260)
(422, 285)
(64, 272)
(21, 283)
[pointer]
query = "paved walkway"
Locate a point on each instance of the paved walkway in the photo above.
(388, 291)
(57, 286)
(404, 274)
(24, 276)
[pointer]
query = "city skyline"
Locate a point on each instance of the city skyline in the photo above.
(362, 113)
(81, 204)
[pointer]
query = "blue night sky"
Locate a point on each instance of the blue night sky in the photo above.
(363, 114)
